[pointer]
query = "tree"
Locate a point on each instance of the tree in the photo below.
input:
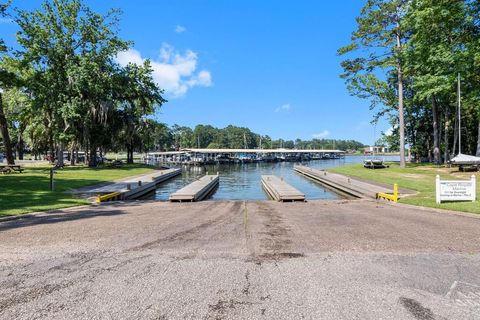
(434, 56)
(380, 33)
(7, 80)
(56, 42)
(139, 96)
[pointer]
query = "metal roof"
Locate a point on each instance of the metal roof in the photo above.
(183, 151)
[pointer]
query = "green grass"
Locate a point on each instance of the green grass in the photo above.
(419, 178)
(29, 191)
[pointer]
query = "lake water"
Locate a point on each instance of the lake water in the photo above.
(243, 181)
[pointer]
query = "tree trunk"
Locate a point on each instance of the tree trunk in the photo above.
(478, 140)
(401, 125)
(455, 136)
(92, 160)
(436, 135)
(129, 154)
(60, 155)
(5, 135)
(20, 144)
(445, 137)
(72, 156)
(51, 147)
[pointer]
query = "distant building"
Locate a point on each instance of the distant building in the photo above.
(376, 149)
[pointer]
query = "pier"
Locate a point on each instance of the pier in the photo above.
(343, 184)
(197, 190)
(133, 188)
(279, 190)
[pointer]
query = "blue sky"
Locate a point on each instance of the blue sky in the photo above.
(267, 65)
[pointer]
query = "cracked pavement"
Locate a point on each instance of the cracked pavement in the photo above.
(349, 259)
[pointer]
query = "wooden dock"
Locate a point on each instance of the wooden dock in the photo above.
(197, 190)
(281, 191)
(134, 187)
(343, 184)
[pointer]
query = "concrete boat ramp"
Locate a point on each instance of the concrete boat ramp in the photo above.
(279, 190)
(134, 187)
(197, 190)
(343, 184)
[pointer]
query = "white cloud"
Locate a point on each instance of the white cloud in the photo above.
(389, 131)
(173, 71)
(285, 107)
(321, 135)
(180, 29)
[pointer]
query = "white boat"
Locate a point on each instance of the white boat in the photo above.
(464, 159)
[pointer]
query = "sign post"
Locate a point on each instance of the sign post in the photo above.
(455, 190)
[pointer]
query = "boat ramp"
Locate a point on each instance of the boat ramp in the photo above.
(279, 190)
(197, 190)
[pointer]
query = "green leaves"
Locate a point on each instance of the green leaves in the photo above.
(423, 44)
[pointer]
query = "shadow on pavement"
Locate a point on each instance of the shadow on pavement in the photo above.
(59, 216)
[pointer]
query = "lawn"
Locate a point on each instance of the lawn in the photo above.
(29, 191)
(419, 178)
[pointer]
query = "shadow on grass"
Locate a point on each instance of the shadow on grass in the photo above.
(59, 216)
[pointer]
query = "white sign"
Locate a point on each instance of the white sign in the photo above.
(456, 190)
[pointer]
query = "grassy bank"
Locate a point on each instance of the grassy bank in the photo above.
(419, 178)
(29, 191)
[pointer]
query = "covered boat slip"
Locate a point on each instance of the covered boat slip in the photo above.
(134, 187)
(279, 190)
(197, 190)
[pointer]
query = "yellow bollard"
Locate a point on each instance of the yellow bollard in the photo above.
(390, 197)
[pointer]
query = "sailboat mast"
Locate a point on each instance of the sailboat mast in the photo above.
(459, 116)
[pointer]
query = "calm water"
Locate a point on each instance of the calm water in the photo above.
(243, 181)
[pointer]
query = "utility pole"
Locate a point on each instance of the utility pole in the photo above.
(459, 116)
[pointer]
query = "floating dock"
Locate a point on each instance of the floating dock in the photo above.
(279, 190)
(134, 187)
(343, 184)
(197, 190)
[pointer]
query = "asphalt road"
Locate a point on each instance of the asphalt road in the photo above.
(241, 260)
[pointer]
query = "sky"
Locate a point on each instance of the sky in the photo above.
(270, 66)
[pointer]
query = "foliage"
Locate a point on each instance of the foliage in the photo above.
(438, 40)
(233, 137)
(71, 93)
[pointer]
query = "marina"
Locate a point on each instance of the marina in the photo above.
(243, 181)
(197, 190)
(281, 191)
(235, 156)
